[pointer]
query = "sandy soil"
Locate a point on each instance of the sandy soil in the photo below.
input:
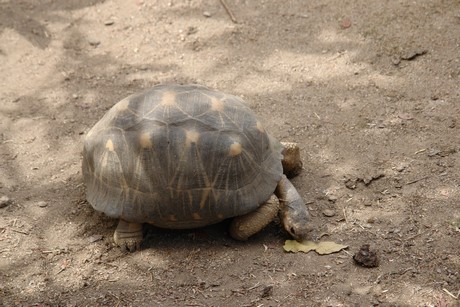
(369, 89)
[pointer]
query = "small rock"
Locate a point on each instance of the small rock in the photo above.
(345, 23)
(75, 96)
(401, 167)
(94, 43)
(109, 22)
(351, 183)
(405, 116)
(332, 198)
(95, 238)
(66, 76)
(191, 30)
(4, 201)
(433, 152)
(368, 179)
(328, 212)
(207, 14)
(42, 204)
(412, 54)
(377, 290)
(396, 60)
(267, 291)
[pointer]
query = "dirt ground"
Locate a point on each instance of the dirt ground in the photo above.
(369, 89)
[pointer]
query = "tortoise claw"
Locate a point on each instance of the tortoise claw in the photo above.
(128, 245)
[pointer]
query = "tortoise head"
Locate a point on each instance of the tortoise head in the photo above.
(293, 211)
(295, 220)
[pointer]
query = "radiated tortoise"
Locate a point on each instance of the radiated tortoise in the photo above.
(185, 156)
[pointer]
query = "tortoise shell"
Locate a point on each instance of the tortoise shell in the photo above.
(180, 156)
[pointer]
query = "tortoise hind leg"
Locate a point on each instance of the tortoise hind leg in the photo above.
(128, 236)
(242, 227)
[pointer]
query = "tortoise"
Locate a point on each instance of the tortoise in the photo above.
(186, 156)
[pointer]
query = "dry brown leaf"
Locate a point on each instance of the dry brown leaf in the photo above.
(322, 248)
(328, 247)
(294, 246)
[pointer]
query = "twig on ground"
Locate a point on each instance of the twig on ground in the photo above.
(416, 235)
(447, 291)
(253, 287)
(420, 151)
(20, 231)
(229, 12)
(417, 180)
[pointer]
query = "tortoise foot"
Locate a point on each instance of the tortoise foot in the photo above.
(292, 164)
(128, 236)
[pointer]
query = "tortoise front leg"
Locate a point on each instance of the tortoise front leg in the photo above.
(242, 227)
(128, 236)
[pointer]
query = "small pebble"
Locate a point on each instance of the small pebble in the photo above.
(95, 238)
(328, 212)
(351, 184)
(401, 167)
(267, 291)
(109, 22)
(345, 23)
(207, 14)
(42, 204)
(191, 30)
(376, 291)
(4, 201)
(94, 43)
(75, 96)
